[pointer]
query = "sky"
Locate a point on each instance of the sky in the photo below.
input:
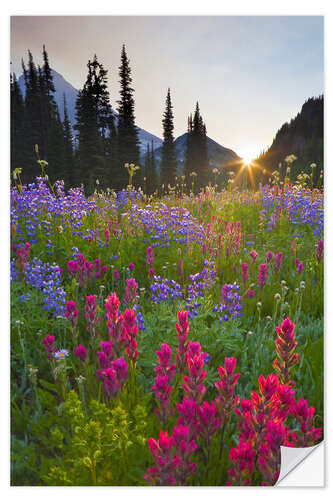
(250, 74)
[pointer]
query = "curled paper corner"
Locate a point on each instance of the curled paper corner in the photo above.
(302, 466)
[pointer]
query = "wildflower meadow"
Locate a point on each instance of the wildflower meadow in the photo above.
(169, 339)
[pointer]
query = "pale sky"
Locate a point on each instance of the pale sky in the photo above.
(249, 74)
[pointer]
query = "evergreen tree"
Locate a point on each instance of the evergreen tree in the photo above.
(17, 144)
(52, 145)
(128, 141)
(150, 169)
(169, 155)
(68, 148)
(49, 110)
(147, 168)
(40, 122)
(189, 153)
(95, 127)
(32, 125)
(196, 157)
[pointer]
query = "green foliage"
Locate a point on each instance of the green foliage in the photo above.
(100, 448)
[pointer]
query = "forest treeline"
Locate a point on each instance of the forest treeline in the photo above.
(303, 137)
(102, 139)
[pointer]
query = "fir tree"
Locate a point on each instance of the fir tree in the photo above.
(17, 112)
(49, 110)
(196, 157)
(128, 141)
(95, 127)
(147, 169)
(150, 170)
(189, 153)
(32, 125)
(68, 148)
(169, 155)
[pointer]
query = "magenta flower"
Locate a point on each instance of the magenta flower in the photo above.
(114, 322)
(165, 374)
(319, 250)
(304, 415)
(106, 347)
(130, 330)
(282, 401)
(150, 257)
(187, 412)
(73, 268)
(253, 254)
(299, 267)
(270, 457)
(131, 296)
(226, 402)
(112, 307)
(285, 346)
(262, 275)
(184, 447)
(72, 313)
(245, 273)
(164, 357)
(180, 267)
(121, 368)
(48, 342)
(80, 352)
(131, 267)
(103, 360)
(208, 422)
(107, 236)
(81, 269)
(268, 386)
(162, 390)
(116, 275)
(22, 254)
(193, 385)
(243, 460)
(269, 256)
(250, 294)
(91, 314)
(164, 472)
(278, 261)
(113, 377)
(183, 329)
(172, 458)
(97, 264)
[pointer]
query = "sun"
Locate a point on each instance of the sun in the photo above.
(248, 154)
(247, 159)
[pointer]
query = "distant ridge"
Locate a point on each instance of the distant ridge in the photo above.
(218, 155)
